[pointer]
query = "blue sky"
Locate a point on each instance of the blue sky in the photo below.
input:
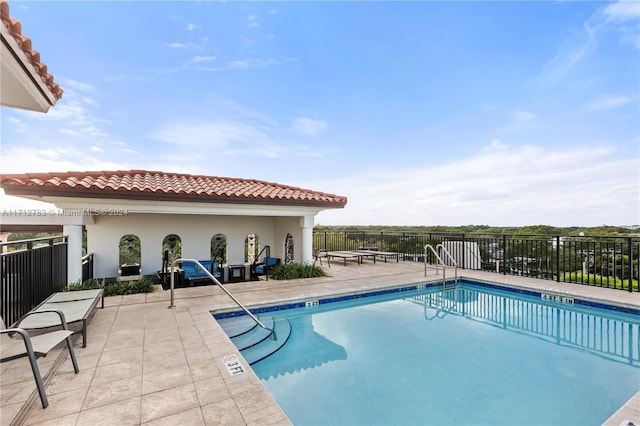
(421, 113)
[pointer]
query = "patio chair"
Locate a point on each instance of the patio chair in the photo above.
(192, 274)
(78, 307)
(258, 269)
(35, 347)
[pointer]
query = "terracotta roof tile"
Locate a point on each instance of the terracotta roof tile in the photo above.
(15, 28)
(164, 186)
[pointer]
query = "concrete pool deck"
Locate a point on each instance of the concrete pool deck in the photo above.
(146, 364)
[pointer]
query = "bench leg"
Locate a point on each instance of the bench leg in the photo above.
(84, 333)
(36, 375)
(73, 355)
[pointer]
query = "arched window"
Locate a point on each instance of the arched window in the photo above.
(173, 245)
(251, 248)
(219, 248)
(288, 249)
(130, 250)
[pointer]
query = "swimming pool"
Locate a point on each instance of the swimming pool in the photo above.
(474, 354)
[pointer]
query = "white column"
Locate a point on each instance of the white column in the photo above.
(306, 225)
(74, 252)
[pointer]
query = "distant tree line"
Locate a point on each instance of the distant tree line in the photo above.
(491, 230)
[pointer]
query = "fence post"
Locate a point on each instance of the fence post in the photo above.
(557, 258)
(504, 254)
(464, 251)
(630, 257)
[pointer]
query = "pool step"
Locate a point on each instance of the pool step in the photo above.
(254, 342)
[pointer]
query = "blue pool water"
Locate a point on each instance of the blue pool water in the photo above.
(471, 355)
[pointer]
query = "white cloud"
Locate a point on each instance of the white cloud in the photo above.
(494, 145)
(238, 64)
(308, 126)
(524, 116)
(16, 159)
(191, 27)
(254, 138)
(208, 136)
(78, 86)
(584, 186)
(623, 10)
(199, 59)
(608, 102)
(569, 53)
(175, 45)
(243, 64)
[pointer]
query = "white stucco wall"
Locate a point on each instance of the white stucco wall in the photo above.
(195, 232)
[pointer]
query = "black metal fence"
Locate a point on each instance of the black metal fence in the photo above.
(30, 270)
(599, 261)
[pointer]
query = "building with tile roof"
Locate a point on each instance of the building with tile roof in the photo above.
(152, 205)
(25, 81)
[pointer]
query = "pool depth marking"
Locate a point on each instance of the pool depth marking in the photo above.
(561, 299)
(233, 364)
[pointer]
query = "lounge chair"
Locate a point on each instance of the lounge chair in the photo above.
(344, 255)
(35, 347)
(77, 306)
(193, 274)
(263, 268)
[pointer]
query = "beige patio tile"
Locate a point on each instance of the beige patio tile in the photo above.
(124, 341)
(191, 417)
(67, 381)
(158, 295)
(168, 402)
(167, 346)
(113, 391)
(160, 335)
(192, 341)
(121, 413)
(112, 301)
(9, 412)
(12, 393)
(60, 405)
(253, 399)
(165, 379)
(270, 415)
(130, 299)
(12, 371)
(197, 354)
(154, 361)
(205, 369)
(210, 391)
(222, 413)
(69, 420)
(120, 370)
(121, 355)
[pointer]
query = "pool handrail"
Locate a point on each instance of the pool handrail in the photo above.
(440, 261)
(215, 280)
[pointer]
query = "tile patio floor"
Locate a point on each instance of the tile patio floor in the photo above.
(146, 364)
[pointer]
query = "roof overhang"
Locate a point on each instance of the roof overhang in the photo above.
(20, 85)
(95, 207)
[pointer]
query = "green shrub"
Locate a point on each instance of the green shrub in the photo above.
(117, 288)
(597, 279)
(295, 270)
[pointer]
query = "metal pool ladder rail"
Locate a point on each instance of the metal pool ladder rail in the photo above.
(440, 262)
(215, 280)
